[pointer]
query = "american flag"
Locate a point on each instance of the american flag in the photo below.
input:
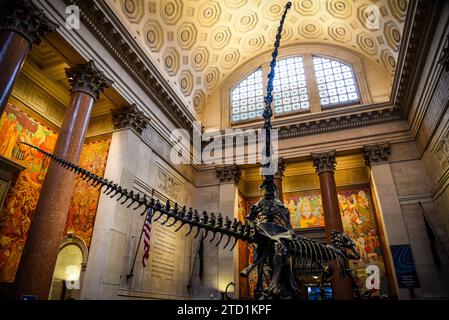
(146, 237)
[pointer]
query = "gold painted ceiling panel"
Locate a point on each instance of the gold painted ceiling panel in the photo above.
(197, 43)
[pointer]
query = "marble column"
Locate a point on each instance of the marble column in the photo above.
(35, 272)
(391, 222)
(279, 176)
(324, 164)
(22, 24)
(229, 177)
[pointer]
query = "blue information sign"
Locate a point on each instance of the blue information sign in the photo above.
(404, 266)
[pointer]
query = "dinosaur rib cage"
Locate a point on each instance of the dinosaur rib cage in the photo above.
(170, 211)
(310, 254)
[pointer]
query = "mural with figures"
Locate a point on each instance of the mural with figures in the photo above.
(21, 200)
(242, 249)
(359, 221)
(306, 210)
(249, 284)
(84, 202)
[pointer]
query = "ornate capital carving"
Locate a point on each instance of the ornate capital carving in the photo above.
(88, 78)
(231, 173)
(130, 117)
(324, 161)
(281, 168)
(23, 17)
(377, 153)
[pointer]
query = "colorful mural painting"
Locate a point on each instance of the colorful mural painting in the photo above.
(246, 252)
(21, 200)
(84, 202)
(306, 210)
(242, 249)
(359, 222)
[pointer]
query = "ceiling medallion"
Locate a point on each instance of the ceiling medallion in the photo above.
(130, 6)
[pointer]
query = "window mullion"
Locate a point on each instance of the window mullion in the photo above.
(315, 105)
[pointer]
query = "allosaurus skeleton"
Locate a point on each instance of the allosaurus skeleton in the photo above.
(267, 226)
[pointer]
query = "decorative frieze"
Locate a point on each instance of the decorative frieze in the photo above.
(231, 173)
(377, 153)
(23, 17)
(169, 185)
(130, 117)
(324, 161)
(335, 123)
(415, 50)
(88, 78)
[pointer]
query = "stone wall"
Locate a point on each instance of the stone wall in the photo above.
(134, 165)
(413, 189)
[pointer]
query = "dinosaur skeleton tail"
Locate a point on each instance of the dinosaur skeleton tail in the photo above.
(170, 211)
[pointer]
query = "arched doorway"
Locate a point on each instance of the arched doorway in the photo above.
(70, 265)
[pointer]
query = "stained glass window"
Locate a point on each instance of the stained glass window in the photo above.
(289, 86)
(247, 99)
(335, 81)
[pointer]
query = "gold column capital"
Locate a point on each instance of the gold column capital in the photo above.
(25, 18)
(88, 78)
(324, 161)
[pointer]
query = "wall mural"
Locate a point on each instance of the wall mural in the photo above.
(22, 197)
(84, 202)
(359, 222)
(246, 254)
(242, 248)
(306, 210)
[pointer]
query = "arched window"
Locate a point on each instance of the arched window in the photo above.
(335, 82)
(301, 84)
(247, 98)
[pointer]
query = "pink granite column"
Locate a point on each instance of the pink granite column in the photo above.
(324, 164)
(35, 273)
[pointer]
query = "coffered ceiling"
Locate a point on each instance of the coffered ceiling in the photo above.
(196, 44)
